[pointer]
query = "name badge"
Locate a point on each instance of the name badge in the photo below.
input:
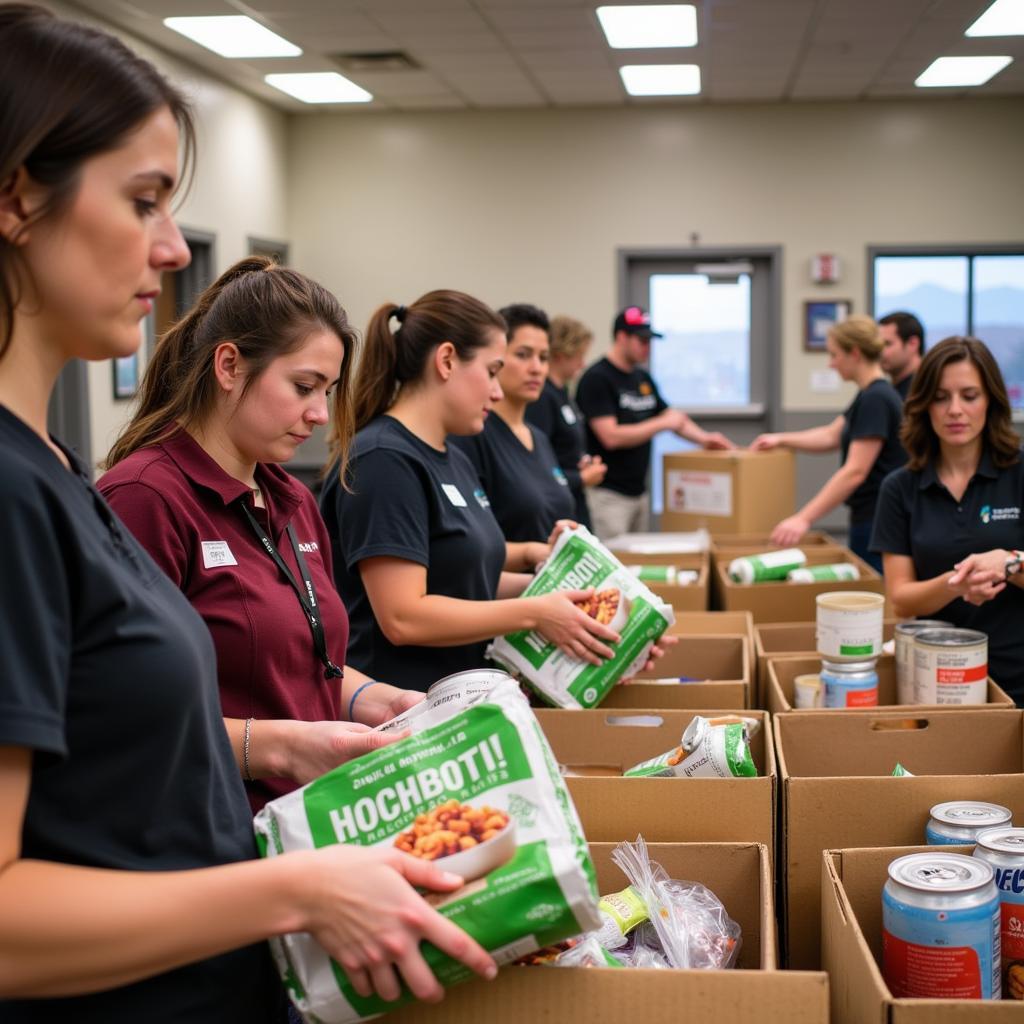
(454, 495)
(216, 553)
(568, 415)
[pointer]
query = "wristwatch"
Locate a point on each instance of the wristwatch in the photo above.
(1013, 564)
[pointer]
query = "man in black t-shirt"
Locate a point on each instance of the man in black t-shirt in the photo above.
(623, 411)
(903, 335)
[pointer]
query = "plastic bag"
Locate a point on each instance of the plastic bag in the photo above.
(588, 952)
(691, 924)
(644, 949)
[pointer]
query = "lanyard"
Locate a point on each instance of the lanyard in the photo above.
(306, 594)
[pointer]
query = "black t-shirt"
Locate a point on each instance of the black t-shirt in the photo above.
(410, 501)
(108, 676)
(528, 490)
(903, 387)
(605, 390)
(875, 413)
(557, 416)
(917, 516)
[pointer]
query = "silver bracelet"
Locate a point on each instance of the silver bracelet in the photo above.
(246, 774)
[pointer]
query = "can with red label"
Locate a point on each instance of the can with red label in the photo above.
(849, 684)
(1003, 848)
(950, 666)
(941, 928)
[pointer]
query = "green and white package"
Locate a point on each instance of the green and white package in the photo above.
(709, 749)
(529, 886)
(579, 561)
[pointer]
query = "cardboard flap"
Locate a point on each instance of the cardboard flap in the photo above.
(704, 658)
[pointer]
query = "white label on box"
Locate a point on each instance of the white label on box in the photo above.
(708, 494)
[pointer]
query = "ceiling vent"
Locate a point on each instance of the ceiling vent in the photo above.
(390, 60)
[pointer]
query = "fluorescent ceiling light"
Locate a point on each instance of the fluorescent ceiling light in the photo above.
(1003, 18)
(661, 79)
(234, 36)
(952, 71)
(637, 28)
(319, 87)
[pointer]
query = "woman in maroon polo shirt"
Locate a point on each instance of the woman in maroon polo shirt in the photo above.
(232, 390)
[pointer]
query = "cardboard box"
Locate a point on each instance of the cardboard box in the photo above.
(691, 597)
(720, 666)
(837, 791)
(782, 671)
(763, 541)
(753, 993)
(851, 885)
(784, 601)
(729, 491)
(605, 742)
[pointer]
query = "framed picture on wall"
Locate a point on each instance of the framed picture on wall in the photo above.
(126, 376)
(819, 317)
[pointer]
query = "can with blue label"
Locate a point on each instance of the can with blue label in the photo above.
(958, 822)
(1003, 848)
(940, 928)
(849, 684)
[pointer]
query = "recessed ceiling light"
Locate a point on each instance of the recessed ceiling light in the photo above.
(636, 28)
(962, 71)
(234, 36)
(319, 87)
(1003, 18)
(661, 79)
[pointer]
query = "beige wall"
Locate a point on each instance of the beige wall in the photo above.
(531, 205)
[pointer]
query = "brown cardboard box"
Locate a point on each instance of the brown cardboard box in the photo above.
(753, 993)
(851, 948)
(720, 664)
(729, 491)
(784, 601)
(763, 541)
(782, 671)
(837, 790)
(605, 742)
(714, 624)
(691, 597)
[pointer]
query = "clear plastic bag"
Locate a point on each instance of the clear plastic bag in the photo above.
(691, 924)
(588, 952)
(644, 949)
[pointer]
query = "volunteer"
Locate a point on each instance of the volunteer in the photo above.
(527, 488)
(129, 888)
(867, 434)
(558, 416)
(233, 389)
(419, 558)
(949, 523)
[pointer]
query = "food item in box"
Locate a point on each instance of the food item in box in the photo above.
(664, 574)
(824, 573)
(1003, 848)
(958, 822)
(950, 666)
(899, 772)
(710, 748)
(808, 692)
(767, 567)
(578, 561)
(903, 647)
(848, 625)
(850, 684)
(483, 772)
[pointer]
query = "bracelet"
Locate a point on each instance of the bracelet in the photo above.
(246, 774)
(352, 701)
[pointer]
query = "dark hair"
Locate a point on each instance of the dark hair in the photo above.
(267, 311)
(391, 360)
(522, 314)
(917, 434)
(67, 93)
(907, 326)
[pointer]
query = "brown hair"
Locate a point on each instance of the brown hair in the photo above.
(390, 360)
(267, 311)
(859, 332)
(917, 434)
(67, 93)
(569, 336)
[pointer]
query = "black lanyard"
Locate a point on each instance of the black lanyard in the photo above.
(306, 594)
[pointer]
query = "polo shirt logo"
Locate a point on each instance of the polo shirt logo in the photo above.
(481, 498)
(569, 415)
(556, 472)
(1000, 515)
(217, 553)
(637, 403)
(454, 495)
(310, 548)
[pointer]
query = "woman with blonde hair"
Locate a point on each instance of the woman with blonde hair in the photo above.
(867, 434)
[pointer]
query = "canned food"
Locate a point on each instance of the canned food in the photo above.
(772, 565)
(958, 822)
(1003, 848)
(940, 928)
(849, 625)
(824, 573)
(950, 666)
(664, 574)
(904, 634)
(850, 684)
(808, 692)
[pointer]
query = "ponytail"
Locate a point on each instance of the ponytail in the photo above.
(376, 382)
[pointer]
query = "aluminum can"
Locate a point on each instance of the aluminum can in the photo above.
(950, 666)
(904, 634)
(849, 684)
(772, 565)
(940, 928)
(849, 625)
(958, 822)
(807, 691)
(1003, 848)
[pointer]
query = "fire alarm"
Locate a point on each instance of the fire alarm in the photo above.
(825, 268)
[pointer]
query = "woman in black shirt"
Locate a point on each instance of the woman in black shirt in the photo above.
(867, 435)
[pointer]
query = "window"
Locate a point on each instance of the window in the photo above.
(975, 292)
